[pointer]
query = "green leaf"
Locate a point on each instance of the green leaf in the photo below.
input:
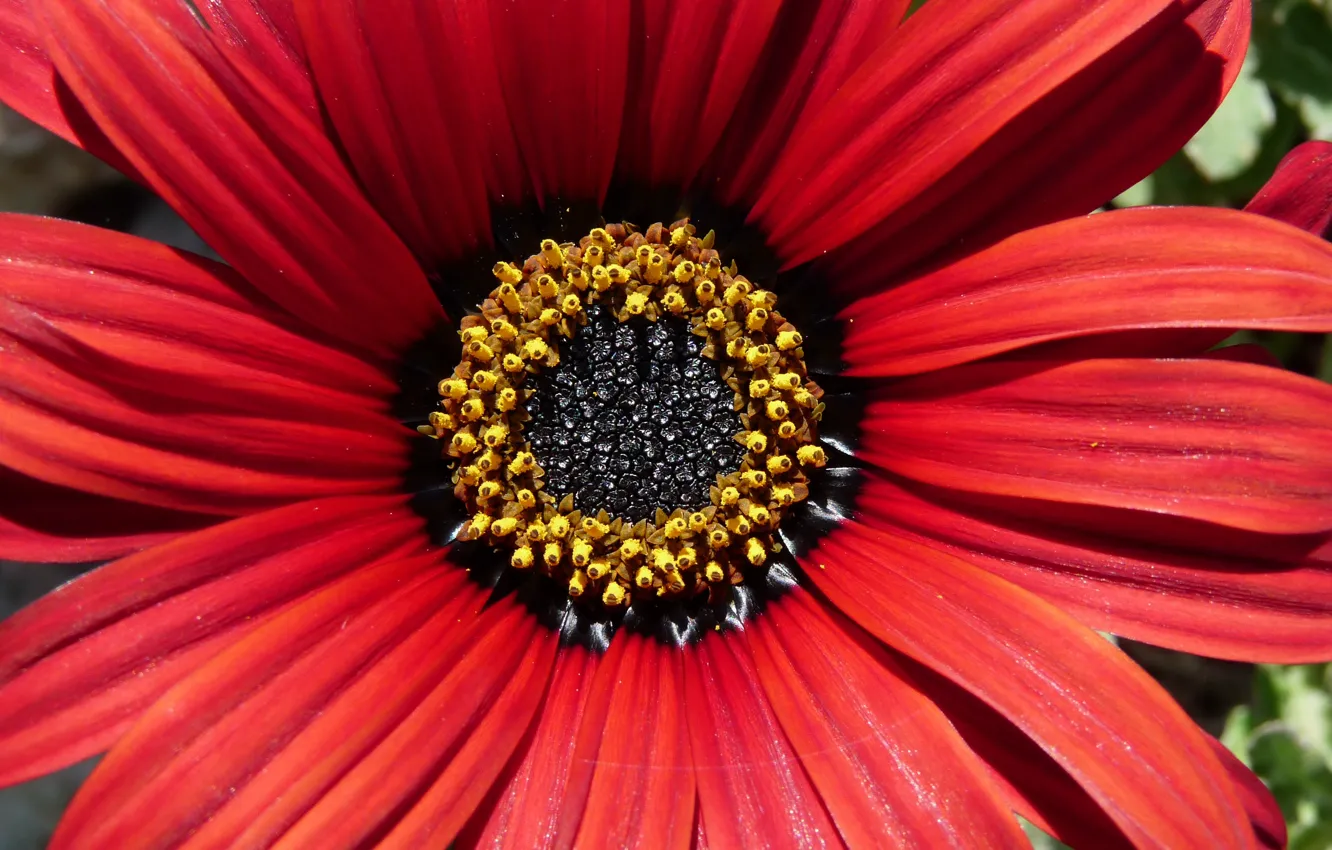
(1238, 731)
(1230, 141)
(1293, 42)
(1317, 116)
(1140, 194)
(1040, 840)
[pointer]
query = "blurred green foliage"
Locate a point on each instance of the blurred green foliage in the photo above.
(1285, 735)
(1283, 96)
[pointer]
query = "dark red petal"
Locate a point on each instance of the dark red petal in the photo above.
(888, 765)
(55, 525)
(982, 119)
(1118, 271)
(1300, 192)
(109, 809)
(428, 73)
(1245, 352)
(690, 64)
(80, 664)
(565, 103)
(752, 789)
(813, 49)
(326, 745)
(1096, 713)
(247, 167)
(1204, 589)
(642, 792)
(539, 804)
(1230, 443)
(430, 772)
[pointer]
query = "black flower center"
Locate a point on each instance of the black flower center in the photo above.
(634, 419)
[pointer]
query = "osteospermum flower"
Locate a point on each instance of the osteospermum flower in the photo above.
(689, 424)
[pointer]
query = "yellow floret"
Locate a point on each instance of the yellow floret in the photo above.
(811, 456)
(507, 273)
(754, 552)
(614, 595)
(484, 381)
(635, 303)
(454, 388)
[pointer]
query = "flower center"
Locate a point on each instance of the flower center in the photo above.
(633, 418)
(630, 417)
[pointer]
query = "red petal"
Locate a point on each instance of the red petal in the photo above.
(1043, 793)
(1034, 784)
(814, 48)
(693, 61)
(451, 800)
(1084, 702)
(245, 166)
(76, 278)
(1269, 824)
(432, 770)
(123, 803)
(220, 458)
(1230, 443)
(137, 373)
(565, 104)
(981, 119)
(30, 85)
(263, 35)
(642, 792)
(80, 664)
(185, 779)
(343, 733)
(1119, 271)
(888, 765)
(1204, 589)
(539, 805)
(1300, 192)
(48, 524)
(427, 72)
(752, 790)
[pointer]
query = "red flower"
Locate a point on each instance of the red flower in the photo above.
(280, 655)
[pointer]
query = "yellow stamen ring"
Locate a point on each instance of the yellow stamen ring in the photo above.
(602, 559)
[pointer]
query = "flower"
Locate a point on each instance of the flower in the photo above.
(1027, 433)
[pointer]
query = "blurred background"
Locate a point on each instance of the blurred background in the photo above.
(1277, 719)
